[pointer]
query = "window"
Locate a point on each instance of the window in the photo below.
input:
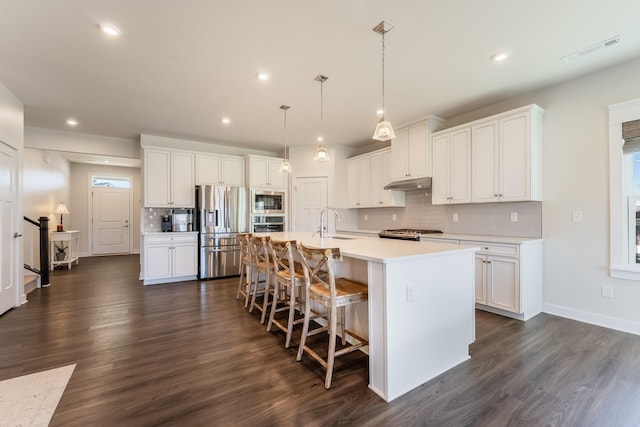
(111, 182)
(624, 192)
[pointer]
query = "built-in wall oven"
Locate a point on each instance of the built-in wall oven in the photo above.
(267, 202)
(267, 223)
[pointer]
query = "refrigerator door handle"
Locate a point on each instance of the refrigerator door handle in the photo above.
(216, 217)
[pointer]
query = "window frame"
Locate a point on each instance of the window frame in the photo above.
(621, 242)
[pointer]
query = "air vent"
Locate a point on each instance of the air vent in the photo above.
(612, 41)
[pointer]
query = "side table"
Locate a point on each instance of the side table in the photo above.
(70, 239)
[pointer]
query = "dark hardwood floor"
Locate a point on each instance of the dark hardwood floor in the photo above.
(189, 354)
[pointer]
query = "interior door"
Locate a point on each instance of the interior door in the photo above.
(111, 213)
(8, 227)
(310, 197)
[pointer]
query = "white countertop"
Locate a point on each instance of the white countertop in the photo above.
(374, 249)
(454, 236)
(167, 233)
(480, 238)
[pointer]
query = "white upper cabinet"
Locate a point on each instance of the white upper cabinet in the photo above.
(265, 172)
(452, 167)
(359, 182)
(168, 179)
(367, 175)
(506, 157)
(219, 169)
(411, 150)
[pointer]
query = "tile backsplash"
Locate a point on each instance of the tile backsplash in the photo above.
(153, 218)
(493, 219)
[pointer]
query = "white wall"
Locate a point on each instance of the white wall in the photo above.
(80, 173)
(74, 142)
(576, 177)
(46, 177)
(11, 133)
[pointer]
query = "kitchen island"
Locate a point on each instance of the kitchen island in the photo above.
(420, 317)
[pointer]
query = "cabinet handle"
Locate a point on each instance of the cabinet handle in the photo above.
(499, 195)
(16, 235)
(380, 202)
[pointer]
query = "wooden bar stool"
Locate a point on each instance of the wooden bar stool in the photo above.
(332, 293)
(246, 268)
(288, 280)
(260, 248)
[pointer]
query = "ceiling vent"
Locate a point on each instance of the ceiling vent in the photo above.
(612, 41)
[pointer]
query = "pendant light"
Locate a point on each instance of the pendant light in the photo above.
(321, 154)
(285, 166)
(384, 130)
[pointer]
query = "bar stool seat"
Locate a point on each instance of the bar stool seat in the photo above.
(288, 280)
(334, 294)
(263, 266)
(246, 268)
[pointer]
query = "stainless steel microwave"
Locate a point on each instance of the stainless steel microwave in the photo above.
(267, 202)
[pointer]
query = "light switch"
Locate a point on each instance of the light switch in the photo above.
(577, 216)
(514, 216)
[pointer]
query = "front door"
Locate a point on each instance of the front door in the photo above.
(110, 217)
(8, 227)
(311, 194)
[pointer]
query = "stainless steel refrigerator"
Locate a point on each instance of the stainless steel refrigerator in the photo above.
(221, 213)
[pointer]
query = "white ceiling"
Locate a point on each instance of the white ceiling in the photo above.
(178, 67)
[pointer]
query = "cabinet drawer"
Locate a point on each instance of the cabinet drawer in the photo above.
(495, 248)
(436, 240)
(167, 240)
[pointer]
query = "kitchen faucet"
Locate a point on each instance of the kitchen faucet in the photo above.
(322, 228)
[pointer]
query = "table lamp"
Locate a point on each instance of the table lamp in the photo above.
(61, 209)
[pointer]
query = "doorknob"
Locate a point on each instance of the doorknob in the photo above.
(16, 235)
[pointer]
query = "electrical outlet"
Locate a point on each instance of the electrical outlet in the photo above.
(607, 291)
(577, 216)
(393, 217)
(366, 217)
(410, 296)
(455, 217)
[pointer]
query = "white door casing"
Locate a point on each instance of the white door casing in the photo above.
(8, 228)
(111, 220)
(310, 197)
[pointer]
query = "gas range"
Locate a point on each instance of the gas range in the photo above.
(406, 233)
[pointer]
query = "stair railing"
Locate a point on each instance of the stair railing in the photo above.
(36, 247)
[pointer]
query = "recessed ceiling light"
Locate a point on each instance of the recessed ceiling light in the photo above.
(320, 139)
(379, 112)
(106, 161)
(72, 122)
(226, 120)
(110, 30)
(263, 76)
(499, 56)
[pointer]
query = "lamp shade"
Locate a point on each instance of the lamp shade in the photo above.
(384, 131)
(61, 209)
(321, 154)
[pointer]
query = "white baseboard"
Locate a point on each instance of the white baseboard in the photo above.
(593, 318)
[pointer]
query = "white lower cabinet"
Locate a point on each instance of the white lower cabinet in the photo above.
(509, 278)
(170, 258)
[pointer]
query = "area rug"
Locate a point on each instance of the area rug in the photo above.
(30, 400)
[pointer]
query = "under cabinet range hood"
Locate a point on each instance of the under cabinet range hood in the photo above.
(409, 184)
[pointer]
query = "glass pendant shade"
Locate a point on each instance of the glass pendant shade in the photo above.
(321, 154)
(384, 131)
(285, 166)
